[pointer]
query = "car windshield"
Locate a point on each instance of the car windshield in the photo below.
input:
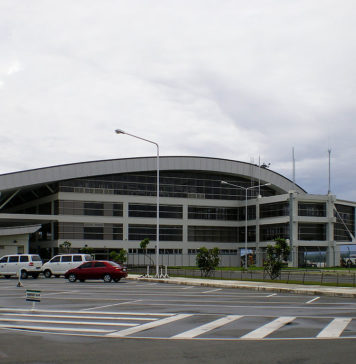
(115, 264)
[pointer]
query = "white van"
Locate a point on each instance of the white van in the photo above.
(30, 264)
(60, 264)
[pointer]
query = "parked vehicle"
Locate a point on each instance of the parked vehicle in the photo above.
(60, 264)
(350, 260)
(29, 264)
(97, 269)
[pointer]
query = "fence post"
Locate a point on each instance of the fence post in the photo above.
(303, 277)
(337, 279)
(321, 279)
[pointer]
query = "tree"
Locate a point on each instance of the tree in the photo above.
(207, 260)
(66, 245)
(87, 250)
(143, 246)
(276, 255)
(119, 257)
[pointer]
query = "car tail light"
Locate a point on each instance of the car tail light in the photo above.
(31, 264)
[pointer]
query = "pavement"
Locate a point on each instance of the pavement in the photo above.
(314, 290)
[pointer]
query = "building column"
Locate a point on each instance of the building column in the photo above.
(125, 225)
(259, 258)
(333, 253)
(293, 229)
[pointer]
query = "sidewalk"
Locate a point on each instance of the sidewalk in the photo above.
(314, 290)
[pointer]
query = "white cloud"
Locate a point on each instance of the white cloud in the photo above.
(226, 79)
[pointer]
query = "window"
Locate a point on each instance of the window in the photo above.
(274, 209)
(271, 232)
(77, 258)
(117, 209)
(94, 232)
(212, 234)
(180, 184)
(149, 210)
(66, 258)
(24, 258)
(55, 260)
(212, 213)
(166, 232)
(3, 260)
(93, 208)
(312, 232)
(251, 234)
(345, 215)
(13, 259)
(99, 264)
(86, 265)
(311, 209)
(36, 258)
(251, 213)
(117, 232)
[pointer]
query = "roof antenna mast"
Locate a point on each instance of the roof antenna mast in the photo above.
(293, 167)
(329, 189)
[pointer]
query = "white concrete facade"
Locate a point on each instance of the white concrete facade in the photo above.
(23, 194)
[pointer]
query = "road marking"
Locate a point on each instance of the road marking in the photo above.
(207, 327)
(78, 317)
(314, 299)
(54, 293)
(149, 325)
(272, 295)
(213, 290)
(69, 322)
(47, 328)
(267, 329)
(189, 287)
(335, 328)
(114, 304)
(89, 313)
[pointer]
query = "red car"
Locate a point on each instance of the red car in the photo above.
(97, 269)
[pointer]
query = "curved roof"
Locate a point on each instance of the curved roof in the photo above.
(23, 179)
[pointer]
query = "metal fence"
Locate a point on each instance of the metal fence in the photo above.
(303, 257)
(307, 277)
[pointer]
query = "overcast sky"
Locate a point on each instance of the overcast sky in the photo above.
(226, 79)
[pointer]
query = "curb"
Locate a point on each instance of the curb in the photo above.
(255, 286)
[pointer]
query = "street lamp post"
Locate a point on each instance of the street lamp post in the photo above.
(246, 191)
(119, 131)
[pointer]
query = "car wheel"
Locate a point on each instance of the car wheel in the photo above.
(72, 278)
(7, 277)
(107, 278)
(47, 273)
(349, 263)
(35, 275)
(24, 274)
(116, 280)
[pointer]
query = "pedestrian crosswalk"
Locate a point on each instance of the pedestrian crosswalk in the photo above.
(177, 326)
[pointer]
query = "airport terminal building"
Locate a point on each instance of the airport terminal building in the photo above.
(111, 204)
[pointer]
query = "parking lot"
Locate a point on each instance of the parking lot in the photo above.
(132, 310)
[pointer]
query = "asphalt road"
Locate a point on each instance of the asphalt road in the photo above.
(142, 322)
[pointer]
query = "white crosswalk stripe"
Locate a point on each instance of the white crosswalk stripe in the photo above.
(172, 325)
(267, 329)
(335, 328)
(207, 327)
(147, 326)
